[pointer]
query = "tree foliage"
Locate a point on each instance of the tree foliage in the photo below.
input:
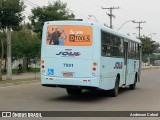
(2, 45)
(11, 13)
(25, 44)
(148, 45)
(10, 16)
(56, 11)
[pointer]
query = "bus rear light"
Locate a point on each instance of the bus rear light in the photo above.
(94, 64)
(42, 62)
(94, 69)
(43, 66)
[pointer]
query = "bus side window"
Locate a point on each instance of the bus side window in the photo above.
(138, 52)
(113, 39)
(129, 50)
(105, 43)
(121, 47)
(107, 35)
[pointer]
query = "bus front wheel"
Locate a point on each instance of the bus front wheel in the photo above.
(72, 91)
(114, 92)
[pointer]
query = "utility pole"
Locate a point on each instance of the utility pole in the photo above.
(139, 27)
(111, 15)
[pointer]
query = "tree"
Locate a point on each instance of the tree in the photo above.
(11, 15)
(2, 36)
(26, 42)
(158, 57)
(56, 11)
(148, 45)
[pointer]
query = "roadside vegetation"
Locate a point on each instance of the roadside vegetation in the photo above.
(4, 83)
(30, 70)
(23, 40)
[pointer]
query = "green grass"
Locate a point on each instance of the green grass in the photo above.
(19, 81)
(31, 70)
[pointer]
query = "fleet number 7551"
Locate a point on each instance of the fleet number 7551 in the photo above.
(67, 65)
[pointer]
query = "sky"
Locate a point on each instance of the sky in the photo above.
(138, 10)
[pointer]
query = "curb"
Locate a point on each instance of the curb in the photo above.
(150, 67)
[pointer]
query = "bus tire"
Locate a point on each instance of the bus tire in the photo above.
(72, 91)
(133, 86)
(114, 92)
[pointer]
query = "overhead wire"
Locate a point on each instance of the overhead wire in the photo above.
(108, 5)
(94, 10)
(125, 15)
(91, 3)
(26, 13)
(84, 16)
(31, 3)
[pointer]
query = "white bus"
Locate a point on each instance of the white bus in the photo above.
(78, 55)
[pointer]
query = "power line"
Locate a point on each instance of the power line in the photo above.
(31, 3)
(38, 3)
(98, 6)
(128, 14)
(91, 3)
(139, 26)
(111, 15)
(107, 3)
(27, 13)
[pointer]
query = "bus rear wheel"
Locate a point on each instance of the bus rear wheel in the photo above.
(114, 92)
(133, 86)
(72, 91)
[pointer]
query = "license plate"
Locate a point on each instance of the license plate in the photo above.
(67, 74)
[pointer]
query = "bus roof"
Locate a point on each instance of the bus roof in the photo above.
(102, 27)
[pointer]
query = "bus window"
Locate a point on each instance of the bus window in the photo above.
(121, 47)
(105, 38)
(113, 39)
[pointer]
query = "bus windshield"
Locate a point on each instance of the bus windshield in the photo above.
(69, 35)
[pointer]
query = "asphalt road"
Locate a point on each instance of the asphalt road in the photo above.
(34, 97)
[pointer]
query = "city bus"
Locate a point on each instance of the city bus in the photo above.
(78, 55)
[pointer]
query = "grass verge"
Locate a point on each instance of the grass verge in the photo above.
(15, 71)
(4, 83)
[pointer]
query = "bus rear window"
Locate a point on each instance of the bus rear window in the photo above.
(69, 35)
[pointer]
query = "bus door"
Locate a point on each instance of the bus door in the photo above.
(125, 62)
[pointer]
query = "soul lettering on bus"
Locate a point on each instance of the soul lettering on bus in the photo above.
(69, 53)
(118, 65)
